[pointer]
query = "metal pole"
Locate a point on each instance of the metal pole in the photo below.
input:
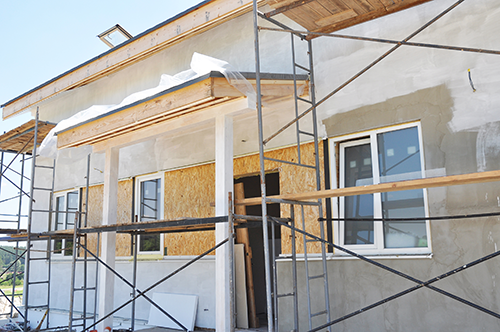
(388, 41)
(85, 237)
(265, 236)
(19, 211)
(30, 219)
(142, 293)
(96, 277)
(419, 283)
(49, 241)
(134, 282)
(295, 97)
(232, 302)
(73, 274)
(275, 279)
(294, 271)
(364, 70)
(318, 181)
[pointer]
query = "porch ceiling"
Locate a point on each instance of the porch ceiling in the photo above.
(192, 97)
(331, 15)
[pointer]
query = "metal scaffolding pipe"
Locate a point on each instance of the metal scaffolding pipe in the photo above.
(364, 70)
(388, 41)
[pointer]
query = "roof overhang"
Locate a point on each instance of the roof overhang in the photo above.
(191, 100)
(202, 17)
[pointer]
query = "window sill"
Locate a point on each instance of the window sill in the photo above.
(158, 257)
(335, 257)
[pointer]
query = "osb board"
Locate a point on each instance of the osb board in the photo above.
(189, 192)
(293, 179)
(332, 15)
(123, 244)
(20, 139)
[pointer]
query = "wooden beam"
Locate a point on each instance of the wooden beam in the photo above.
(243, 237)
(167, 104)
(335, 18)
(198, 96)
(149, 43)
(443, 181)
(174, 126)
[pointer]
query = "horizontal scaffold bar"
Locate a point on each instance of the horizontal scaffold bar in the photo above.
(442, 181)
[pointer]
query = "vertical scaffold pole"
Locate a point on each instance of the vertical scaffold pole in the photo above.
(19, 212)
(270, 322)
(30, 219)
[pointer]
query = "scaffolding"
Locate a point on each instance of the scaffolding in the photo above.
(273, 297)
(87, 319)
(16, 147)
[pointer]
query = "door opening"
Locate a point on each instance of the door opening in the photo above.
(252, 189)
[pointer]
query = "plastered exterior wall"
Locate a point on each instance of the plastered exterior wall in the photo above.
(460, 131)
(460, 135)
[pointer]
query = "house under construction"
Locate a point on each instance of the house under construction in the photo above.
(313, 165)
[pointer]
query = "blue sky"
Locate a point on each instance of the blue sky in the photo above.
(41, 39)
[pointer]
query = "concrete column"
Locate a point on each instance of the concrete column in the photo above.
(108, 239)
(223, 185)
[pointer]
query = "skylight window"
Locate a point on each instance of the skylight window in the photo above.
(114, 36)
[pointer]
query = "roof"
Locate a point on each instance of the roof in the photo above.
(20, 139)
(188, 98)
(183, 25)
(314, 15)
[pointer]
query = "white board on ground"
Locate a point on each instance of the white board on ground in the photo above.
(182, 307)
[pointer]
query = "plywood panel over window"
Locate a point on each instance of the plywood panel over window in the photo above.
(124, 214)
(189, 192)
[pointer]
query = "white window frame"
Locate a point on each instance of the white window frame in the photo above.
(138, 181)
(55, 216)
(337, 203)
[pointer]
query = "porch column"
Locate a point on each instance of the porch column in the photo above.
(108, 239)
(223, 185)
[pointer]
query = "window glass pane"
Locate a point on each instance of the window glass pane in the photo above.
(150, 200)
(399, 155)
(399, 159)
(150, 242)
(68, 248)
(72, 206)
(60, 217)
(57, 246)
(358, 172)
(150, 210)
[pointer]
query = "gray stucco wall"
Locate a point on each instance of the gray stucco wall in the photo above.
(355, 284)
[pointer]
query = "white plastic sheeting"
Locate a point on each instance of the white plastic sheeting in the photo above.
(200, 65)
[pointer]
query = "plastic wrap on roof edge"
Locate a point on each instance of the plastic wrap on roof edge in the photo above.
(200, 65)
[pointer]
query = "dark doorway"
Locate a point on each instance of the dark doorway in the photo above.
(252, 189)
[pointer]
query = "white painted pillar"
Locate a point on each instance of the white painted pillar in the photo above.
(223, 185)
(108, 239)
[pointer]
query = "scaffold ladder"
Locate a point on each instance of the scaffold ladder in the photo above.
(311, 136)
(45, 254)
(82, 256)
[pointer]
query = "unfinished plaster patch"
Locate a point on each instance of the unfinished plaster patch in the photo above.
(488, 147)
